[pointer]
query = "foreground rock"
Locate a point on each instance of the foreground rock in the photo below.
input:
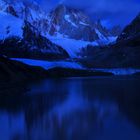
(13, 71)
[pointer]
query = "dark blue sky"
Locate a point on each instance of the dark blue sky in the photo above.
(110, 11)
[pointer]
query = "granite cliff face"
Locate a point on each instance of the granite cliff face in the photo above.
(71, 23)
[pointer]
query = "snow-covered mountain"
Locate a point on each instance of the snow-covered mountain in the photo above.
(72, 23)
(29, 11)
(67, 27)
(18, 38)
(68, 22)
(74, 30)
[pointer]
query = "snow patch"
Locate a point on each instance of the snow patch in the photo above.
(49, 64)
(73, 46)
(10, 26)
(101, 36)
(67, 18)
(82, 23)
(112, 39)
(105, 40)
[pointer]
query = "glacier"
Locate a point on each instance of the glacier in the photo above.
(49, 64)
(74, 65)
(72, 46)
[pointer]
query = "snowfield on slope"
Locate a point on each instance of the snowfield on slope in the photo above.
(73, 46)
(10, 26)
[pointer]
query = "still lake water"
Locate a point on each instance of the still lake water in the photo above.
(99, 108)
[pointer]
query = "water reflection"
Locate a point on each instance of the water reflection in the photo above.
(73, 109)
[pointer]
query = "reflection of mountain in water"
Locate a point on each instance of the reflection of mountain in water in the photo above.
(74, 109)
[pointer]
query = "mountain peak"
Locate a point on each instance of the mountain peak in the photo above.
(61, 6)
(62, 21)
(72, 23)
(133, 29)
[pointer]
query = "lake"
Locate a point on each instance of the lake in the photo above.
(92, 108)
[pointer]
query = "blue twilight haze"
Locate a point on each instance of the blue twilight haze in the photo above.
(110, 11)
